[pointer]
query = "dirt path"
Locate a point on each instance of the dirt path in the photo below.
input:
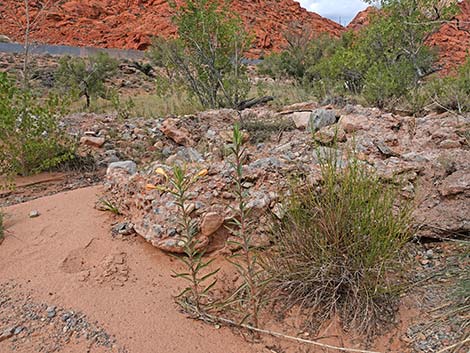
(63, 270)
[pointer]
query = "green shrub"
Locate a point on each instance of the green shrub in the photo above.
(336, 244)
(384, 62)
(303, 51)
(31, 139)
(207, 55)
(85, 77)
(452, 92)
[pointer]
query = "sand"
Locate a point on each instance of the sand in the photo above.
(67, 257)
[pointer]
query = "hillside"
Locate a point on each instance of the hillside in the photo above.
(131, 24)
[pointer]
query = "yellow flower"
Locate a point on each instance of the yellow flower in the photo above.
(202, 173)
(160, 171)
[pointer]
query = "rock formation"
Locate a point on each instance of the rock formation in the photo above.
(131, 24)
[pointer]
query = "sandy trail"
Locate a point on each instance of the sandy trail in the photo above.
(68, 258)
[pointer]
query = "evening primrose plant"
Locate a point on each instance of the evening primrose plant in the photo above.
(194, 297)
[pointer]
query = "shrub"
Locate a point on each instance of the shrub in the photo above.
(383, 62)
(85, 77)
(31, 139)
(302, 52)
(453, 92)
(336, 243)
(207, 55)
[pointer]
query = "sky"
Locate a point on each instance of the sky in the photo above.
(337, 10)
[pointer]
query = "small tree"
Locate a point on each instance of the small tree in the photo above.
(86, 77)
(207, 56)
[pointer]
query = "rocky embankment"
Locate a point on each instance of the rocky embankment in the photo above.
(428, 156)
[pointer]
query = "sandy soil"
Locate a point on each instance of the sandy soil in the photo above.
(67, 258)
(114, 295)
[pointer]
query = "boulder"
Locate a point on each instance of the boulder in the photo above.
(180, 135)
(129, 166)
(456, 183)
(301, 119)
(321, 118)
(4, 39)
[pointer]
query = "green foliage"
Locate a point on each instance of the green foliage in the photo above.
(337, 242)
(85, 76)
(453, 92)
(194, 297)
(110, 206)
(123, 109)
(251, 294)
(31, 139)
(384, 62)
(207, 55)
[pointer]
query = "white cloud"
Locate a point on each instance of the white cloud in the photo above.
(342, 11)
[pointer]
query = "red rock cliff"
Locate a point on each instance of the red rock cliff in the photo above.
(131, 23)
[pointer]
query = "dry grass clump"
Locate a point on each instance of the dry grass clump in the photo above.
(337, 243)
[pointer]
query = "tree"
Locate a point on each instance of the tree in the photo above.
(207, 56)
(86, 77)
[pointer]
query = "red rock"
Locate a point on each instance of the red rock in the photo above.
(362, 19)
(178, 134)
(92, 141)
(130, 24)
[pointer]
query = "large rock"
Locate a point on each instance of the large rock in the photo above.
(179, 134)
(211, 223)
(4, 39)
(321, 118)
(92, 141)
(132, 24)
(456, 183)
(128, 166)
(354, 122)
(301, 119)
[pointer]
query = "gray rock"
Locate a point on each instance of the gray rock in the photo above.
(123, 228)
(265, 163)
(129, 166)
(51, 312)
(321, 118)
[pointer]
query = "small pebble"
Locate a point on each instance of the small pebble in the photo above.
(34, 214)
(51, 312)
